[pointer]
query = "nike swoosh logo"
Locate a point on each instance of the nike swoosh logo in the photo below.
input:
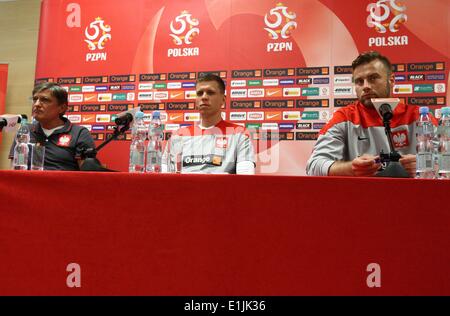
(269, 93)
(271, 116)
(86, 119)
(175, 95)
(90, 98)
(175, 117)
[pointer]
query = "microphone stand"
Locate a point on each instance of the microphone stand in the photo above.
(394, 169)
(93, 164)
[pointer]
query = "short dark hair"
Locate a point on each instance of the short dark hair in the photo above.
(213, 77)
(56, 90)
(367, 57)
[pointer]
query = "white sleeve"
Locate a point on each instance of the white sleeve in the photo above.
(245, 167)
(328, 149)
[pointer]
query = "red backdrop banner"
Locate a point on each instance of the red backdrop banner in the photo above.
(3, 85)
(286, 64)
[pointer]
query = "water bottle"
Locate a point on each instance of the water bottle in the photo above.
(444, 144)
(21, 150)
(425, 135)
(137, 147)
(154, 149)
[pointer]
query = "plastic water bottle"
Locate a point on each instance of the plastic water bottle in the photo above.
(444, 144)
(21, 150)
(425, 135)
(137, 147)
(154, 149)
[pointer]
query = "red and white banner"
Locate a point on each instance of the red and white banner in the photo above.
(286, 64)
(3, 85)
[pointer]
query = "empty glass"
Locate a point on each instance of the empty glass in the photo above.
(37, 157)
(174, 154)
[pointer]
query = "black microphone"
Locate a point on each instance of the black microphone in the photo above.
(386, 112)
(124, 118)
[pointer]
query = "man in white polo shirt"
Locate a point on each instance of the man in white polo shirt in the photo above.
(214, 145)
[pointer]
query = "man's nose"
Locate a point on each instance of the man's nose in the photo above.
(366, 84)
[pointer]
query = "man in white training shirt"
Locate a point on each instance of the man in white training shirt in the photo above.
(214, 145)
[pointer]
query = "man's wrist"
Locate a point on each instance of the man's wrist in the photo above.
(341, 168)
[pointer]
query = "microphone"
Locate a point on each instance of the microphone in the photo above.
(125, 118)
(385, 108)
(386, 112)
(9, 121)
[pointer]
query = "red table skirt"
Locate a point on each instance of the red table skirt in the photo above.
(135, 234)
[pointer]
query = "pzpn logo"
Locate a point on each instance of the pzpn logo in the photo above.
(280, 23)
(184, 28)
(97, 34)
(386, 14)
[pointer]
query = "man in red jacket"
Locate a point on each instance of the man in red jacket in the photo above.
(351, 141)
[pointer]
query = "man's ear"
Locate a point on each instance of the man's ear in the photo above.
(63, 108)
(392, 79)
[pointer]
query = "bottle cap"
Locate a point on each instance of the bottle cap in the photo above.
(139, 115)
(424, 110)
(156, 114)
(445, 110)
